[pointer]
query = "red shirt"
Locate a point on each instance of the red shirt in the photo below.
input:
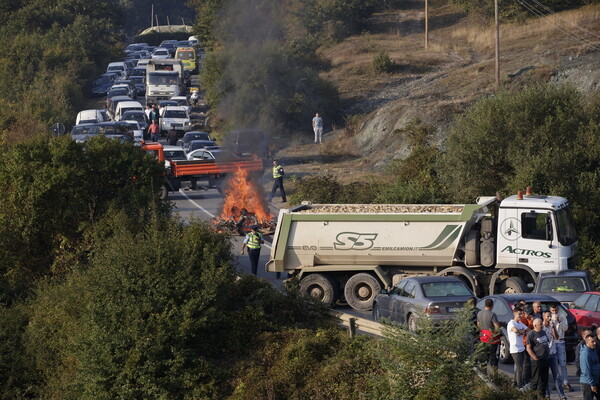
(153, 128)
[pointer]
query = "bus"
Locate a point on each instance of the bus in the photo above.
(187, 55)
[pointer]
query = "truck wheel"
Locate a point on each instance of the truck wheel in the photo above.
(194, 184)
(472, 248)
(514, 284)
(360, 291)
(320, 287)
(164, 192)
(504, 354)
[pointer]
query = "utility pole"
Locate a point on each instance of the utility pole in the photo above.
(152, 16)
(427, 24)
(497, 44)
(156, 16)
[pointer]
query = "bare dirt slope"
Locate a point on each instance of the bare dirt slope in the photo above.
(439, 83)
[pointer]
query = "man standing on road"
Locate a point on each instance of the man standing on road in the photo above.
(539, 351)
(489, 328)
(172, 137)
(584, 333)
(516, 331)
(253, 241)
(153, 130)
(590, 369)
(317, 124)
(552, 334)
(154, 114)
(277, 181)
(147, 111)
(561, 325)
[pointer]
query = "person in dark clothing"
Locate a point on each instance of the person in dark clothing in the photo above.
(253, 241)
(584, 333)
(172, 137)
(277, 181)
(489, 330)
(539, 351)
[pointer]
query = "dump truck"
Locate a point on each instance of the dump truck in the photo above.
(165, 78)
(351, 251)
(213, 170)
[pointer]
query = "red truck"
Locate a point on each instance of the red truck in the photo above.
(214, 170)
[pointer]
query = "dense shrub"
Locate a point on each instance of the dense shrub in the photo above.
(382, 62)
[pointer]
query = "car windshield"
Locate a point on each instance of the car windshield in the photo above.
(175, 114)
(102, 80)
(161, 52)
(116, 68)
(566, 227)
(136, 116)
(444, 289)
(164, 78)
(117, 92)
(138, 79)
(196, 136)
(564, 284)
(185, 55)
(168, 103)
(175, 155)
(182, 102)
(81, 130)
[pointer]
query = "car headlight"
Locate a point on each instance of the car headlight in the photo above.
(187, 123)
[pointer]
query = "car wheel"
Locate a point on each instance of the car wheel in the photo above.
(504, 352)
(412, 323)
(513, 284)
(360, 291)
(164, 192)
(320, 287)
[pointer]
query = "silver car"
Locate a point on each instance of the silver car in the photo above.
(438, 298)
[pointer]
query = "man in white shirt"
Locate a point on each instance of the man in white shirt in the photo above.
(561, 324)
(516, 330)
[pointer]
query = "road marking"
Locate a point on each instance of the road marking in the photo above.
(206, 211)
(196, 204)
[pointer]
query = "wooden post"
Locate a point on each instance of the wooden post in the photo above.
(427, 24)
(497, 18)
(352, 327)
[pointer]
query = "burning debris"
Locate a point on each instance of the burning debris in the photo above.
(244, 206)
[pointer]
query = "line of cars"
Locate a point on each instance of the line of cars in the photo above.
(439, 298)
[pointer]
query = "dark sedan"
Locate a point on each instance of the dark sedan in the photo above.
(437, 297)
(503, 306)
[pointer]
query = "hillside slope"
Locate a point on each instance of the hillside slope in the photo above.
(438, 84)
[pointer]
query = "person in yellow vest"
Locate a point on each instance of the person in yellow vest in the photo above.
(277, 181)
(253, 242)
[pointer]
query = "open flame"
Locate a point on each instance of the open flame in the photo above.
(244, 206)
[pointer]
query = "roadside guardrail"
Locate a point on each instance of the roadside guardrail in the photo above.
(355, 324)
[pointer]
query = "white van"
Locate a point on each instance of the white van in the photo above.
(118, 66)
(127, 106)
(89, 117)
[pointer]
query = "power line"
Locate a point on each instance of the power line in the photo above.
(551, 11)
(531, 8)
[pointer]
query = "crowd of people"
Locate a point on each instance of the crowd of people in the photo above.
(537, 347)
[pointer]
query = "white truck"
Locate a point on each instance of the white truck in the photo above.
(164, 79)
(353, 251)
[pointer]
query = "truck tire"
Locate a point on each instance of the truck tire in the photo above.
(164, 192)
(472, 248)
(504, 352)
(360, 291)
(321, 287)
(514, 284)
(194, 184)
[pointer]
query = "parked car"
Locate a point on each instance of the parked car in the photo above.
(164, 103)
(89, 117)
(434, 297)
(83, 129)
(136, 115)
(140, 84)
(138, 71)
(119, 67)
(183, 101)
(161, 53)
(129, 85)
(214, 153)
(175, 117)
(503, 306)
(125, 106)
(192, 135)
(202, 144)
(102, 83)
(565, 286)
(113, 102)
(173, 153)
(586, 310)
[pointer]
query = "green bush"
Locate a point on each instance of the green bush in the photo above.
(382, 62)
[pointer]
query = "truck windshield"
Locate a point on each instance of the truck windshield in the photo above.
(566, 227)
(156, 78)
(185, 55)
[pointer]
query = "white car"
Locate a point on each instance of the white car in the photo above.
(89, 117)
(174, 153)
(203, 154)
(175, 117)
(118, 67)
(125, 106)
(138, 131)
(183, 101)
(161, 53)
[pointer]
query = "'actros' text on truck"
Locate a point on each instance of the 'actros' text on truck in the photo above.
(352, 251)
